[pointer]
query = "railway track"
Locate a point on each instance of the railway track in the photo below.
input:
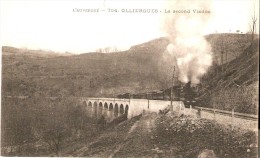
(229, 113)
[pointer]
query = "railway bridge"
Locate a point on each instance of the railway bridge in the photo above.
(112, 108)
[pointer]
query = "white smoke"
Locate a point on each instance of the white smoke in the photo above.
(187, 43)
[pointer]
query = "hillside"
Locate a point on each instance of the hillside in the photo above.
(235, 85)
(231, 44)
(142, 68)
(64, 126)
(7, 50)
(89, 74)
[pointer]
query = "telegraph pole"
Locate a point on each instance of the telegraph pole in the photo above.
(222, 61)
(148, 103)
(172, 87)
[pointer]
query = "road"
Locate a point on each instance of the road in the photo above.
(155, 135)
(133, 138)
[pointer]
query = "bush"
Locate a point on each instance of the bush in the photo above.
(193, 135)
(38, 119)
(244, 99)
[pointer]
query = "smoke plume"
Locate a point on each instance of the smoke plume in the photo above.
(187, 43)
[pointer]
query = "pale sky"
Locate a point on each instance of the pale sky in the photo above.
(52, 25)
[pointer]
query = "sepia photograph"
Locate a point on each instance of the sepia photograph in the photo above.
(140, 79)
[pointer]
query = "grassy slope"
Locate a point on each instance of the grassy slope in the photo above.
(237, 85)
(231, 44)
(141, 68)
(86, 74)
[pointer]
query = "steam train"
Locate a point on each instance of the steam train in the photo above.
(180, 92)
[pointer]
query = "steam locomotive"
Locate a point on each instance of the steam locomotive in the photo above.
(180, 92)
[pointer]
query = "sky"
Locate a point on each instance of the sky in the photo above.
(52, 25)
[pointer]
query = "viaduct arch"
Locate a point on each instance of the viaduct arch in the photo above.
(112, 108)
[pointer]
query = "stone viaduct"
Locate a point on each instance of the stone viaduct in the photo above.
(112, 108)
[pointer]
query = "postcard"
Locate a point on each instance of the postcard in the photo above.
(108, 78)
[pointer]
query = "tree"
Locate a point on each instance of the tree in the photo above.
(107, 50)
(55, 135)
(76, 116)
(222, 51)
(55, 127)
(16, 123)
(252, 24)
(50, 120)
